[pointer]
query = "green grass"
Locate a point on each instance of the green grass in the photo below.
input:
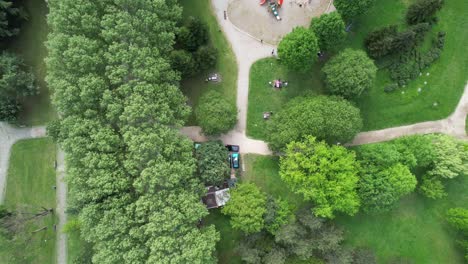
(379, 109)
(195, 87)
(76, 246)
(416, 229)
(30, 45)
(264, 98)
(31, 176)
(447, 75)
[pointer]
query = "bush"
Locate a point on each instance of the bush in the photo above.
(350, 9)
(183, 62)
(329, 29)
(215, 114)
(298, 49)
(423, 11)
(192, 35)
(212, 163)
(206, 58)
(390, 87)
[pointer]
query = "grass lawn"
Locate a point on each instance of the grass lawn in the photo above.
(379, 109)
(195, 87)
(76, 246)
(31, 47)
(31, 176)
(416, 229)
(264, 98)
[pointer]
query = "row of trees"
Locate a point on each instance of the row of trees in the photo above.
(120, 109)
(337, 179)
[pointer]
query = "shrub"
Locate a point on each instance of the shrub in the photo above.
(192, 35)
(215, 114)
(350, 9)
(206, 58)
(329, 29)
(422, 11)
(183, 62)
(298, 49)
(390, 87)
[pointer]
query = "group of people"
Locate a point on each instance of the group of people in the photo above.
(278, 83)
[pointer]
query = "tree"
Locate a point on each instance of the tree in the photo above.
(322, 174)
(329, 29)
(327, 118)
(246, 208)
(215, 114)
(10, 19)
(183, 62)
(298, 49)
(349, 73)
(458, 218)
(193, 34)
(422, 11)
(206, 58)
(349, 9)
(379, 189)
(16, 83)
(212, 163)
(278, 213)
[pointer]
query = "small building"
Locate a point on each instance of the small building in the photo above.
(216, 197)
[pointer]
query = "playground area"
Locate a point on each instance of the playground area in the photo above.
(269, 21)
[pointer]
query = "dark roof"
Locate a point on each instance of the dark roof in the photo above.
(210, 200)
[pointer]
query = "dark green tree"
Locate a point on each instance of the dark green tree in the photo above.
(213, 167)
(183, 62)
(206, 58)
(329, 29)
(350, 9)
(10, 18)
(328, 118)
(349, 73)
(423, 11)
(193, 34)
(16, 83)
(215, 114)
(298, 49)
(278, 213)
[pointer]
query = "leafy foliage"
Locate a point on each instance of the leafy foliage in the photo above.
(329, 118)
(323, 174)
(349, 73)
(298, 49)
(206, 58)
(349, 9)
(278, 213)
(423, 11)
(120, 111)
(16, 83)
(10, 18)
(215, 114)
(212, 163)
(193, 34)
(458, 218)
(329, 29)
(183, 62)
(246, 207)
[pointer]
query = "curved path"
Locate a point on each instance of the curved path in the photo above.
(247, 50)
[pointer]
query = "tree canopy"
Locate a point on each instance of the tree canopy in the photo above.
(329, 29)
(325, 175)
(298, 49)
(349, 73)
(349, 9)
(215, 114)
(423, 11)
(328, 118)
(16, 83)
(11, 17)
(212, 163)
(120, 112)
(246, 208)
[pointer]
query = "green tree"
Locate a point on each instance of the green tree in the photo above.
(328, 118)
(16, 83)
(193, 34)
(350, 9)
(183, 62)
(458, 218)
(215, 114)
(212, 163)
(322, 174)
(379, 189)
(10, 18)
(246, 208)
(422, 11)
(298, 49)
(278, 213)
(349, 73)
(206, 58)
(329, 29)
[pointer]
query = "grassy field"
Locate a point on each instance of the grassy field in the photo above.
(416, 229)
(31, 47)
(193, 88)
(31, 176)
(445, 83)
(264, 98)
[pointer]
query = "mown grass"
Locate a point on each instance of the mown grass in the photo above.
(264, 98)
(31, 177)
(30, 45)
(195, 87)
(445, 82)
